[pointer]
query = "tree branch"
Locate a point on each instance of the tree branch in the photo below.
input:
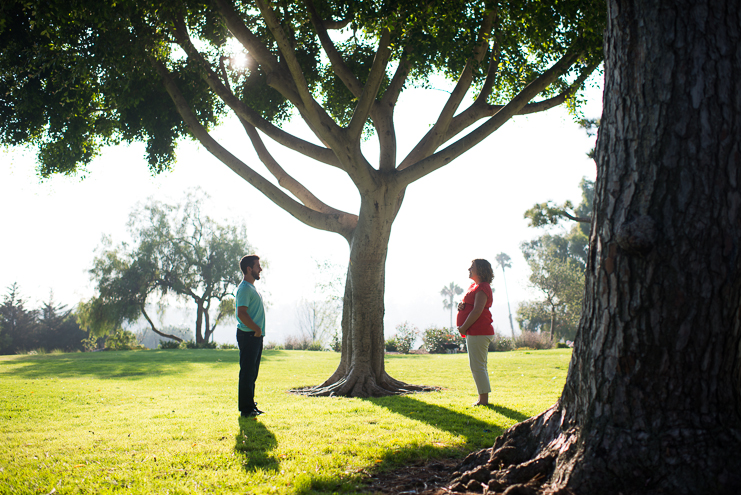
(476, 112)
(328, 129)
(576, 218)
(372, 85)
(341, 224)
(251, 42)
(436, 136)
(383, 117)
(154, 329)
(339, 66)
(219, 87)
(284, 179)
(447, 155)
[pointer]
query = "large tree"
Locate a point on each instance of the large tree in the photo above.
(177, 250)
(80, 74)
(652, 401)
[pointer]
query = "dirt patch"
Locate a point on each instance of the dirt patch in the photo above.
(423, 477)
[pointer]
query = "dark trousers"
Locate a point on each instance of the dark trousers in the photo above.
(250, 352)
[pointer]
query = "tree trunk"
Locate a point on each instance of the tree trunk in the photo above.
(207, 323)
(652, 402)
(199, 321)
(361, 371)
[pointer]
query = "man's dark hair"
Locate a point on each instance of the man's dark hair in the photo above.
(247, 262)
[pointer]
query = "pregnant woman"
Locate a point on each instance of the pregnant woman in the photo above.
(474, 323)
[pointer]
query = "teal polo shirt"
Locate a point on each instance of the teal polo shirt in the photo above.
(248, 296)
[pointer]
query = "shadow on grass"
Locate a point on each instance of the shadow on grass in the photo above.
(122, 365)
(253, 442)
(469, 427)
(478, 434)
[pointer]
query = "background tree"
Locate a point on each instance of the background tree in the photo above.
(18, 325)
(52, 327)
(82, 74)
(557, 263)
(58, 327)
(560, 278)
(316, 319)
(504, 261)
(651, 400)
(449, 292)
(177, 251)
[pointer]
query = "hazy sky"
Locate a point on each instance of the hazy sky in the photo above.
(472, 208)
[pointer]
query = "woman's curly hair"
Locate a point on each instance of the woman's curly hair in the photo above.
(484, 270)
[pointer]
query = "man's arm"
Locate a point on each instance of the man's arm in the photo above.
(244, 317)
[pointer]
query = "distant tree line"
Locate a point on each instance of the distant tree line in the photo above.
(50, 327)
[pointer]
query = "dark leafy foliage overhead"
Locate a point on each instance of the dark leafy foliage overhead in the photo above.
(76, 75)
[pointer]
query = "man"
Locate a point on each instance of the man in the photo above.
(250, 332)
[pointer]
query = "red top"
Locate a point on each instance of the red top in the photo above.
(482, 326)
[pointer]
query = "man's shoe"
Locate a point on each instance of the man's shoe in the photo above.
(252, 414)
(257, 410)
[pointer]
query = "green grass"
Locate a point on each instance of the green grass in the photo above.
(166, 421)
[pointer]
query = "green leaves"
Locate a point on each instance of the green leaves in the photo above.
(77, 75)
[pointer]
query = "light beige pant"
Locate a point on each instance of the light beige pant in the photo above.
(478, 352)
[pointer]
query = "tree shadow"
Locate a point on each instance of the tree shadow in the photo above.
(477, 433)
(121, 365)
(253, 442)
(467, 426)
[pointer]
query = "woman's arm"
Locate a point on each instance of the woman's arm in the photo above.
(478, 308)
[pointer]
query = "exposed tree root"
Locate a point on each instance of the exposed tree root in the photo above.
(539, 456)
(357, 385)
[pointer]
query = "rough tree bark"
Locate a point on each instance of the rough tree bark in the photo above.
(652, 401)
(361, 372)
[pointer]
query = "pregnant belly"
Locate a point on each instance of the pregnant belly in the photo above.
(462, 315)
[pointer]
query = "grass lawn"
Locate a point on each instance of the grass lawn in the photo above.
(166, 421)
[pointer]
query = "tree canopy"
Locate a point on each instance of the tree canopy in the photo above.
(78, 75)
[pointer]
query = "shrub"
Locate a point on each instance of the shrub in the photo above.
(315, 346)
(228, 346)
(168, 344)
(501, 344)
(335, 342)
(441, 340)
(297, 343)
(121, 340)
(406, 335)
(392, 344)
(91, 343)
(189, 344)
(534, 340)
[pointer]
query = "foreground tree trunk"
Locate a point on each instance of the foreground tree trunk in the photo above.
(652, 401)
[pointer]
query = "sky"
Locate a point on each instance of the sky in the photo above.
(472, 208)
